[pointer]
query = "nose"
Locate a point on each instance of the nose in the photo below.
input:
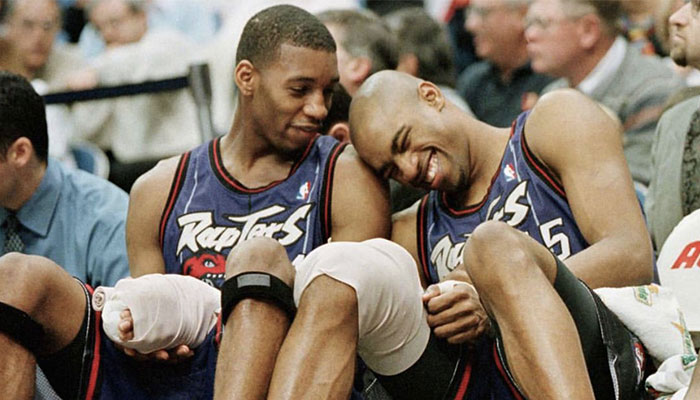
(315, 106)
(680, 17)
(407, 171)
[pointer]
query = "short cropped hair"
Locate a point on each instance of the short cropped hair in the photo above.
(268, 30)
(609, 11)
(22, 114)
(421, 35)
(365, 35)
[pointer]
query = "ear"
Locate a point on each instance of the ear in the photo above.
(359, 70)
(246, 77)
(590, 28)
(408, 63)
(20, 152)
(430, 93)
(340, 131)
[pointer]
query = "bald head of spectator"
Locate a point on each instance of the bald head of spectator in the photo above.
(567, 38)
(119, 22)
(498, 32)
(30, 28)
(365, 45)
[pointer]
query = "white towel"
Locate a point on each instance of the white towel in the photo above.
(167, 310)
(672, 378)
(652, 313)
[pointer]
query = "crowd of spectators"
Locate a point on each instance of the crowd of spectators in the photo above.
(623, 55)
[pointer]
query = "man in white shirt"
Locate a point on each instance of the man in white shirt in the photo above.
(577, 40)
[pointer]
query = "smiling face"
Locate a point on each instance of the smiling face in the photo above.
(292, 96)
(399, 131)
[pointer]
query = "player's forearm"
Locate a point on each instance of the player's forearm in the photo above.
(614, 263)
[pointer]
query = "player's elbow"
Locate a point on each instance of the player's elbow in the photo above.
(641, 260)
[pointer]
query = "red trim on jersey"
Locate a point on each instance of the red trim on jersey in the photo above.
(329, 173)
(540, 168)
(229, 179)
(422, 248)
(464, 383)
(95, 368)
(172, 197)
(477, 207)
(505, 375)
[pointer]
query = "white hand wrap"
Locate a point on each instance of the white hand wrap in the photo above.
(167, 310)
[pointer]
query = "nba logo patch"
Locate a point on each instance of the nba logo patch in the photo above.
(509, 172)
(304, 191)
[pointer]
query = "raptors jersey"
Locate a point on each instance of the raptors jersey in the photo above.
(522, 194)
(208, 211)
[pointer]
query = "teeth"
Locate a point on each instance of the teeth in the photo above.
(432, 169)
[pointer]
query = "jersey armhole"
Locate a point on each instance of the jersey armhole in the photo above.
(327, 194)
(175, 188)
(422, 247)
(540, 169)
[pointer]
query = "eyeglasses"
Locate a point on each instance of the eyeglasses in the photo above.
(543, 23)
(28, 25)
(482, 12)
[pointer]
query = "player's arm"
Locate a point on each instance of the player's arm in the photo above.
(360, 201)
(403, 232)
(146, 204)
(577, 141)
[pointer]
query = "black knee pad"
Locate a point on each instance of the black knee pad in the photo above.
(21, 327)
(257, 285)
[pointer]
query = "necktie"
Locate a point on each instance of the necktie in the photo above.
(690, 168)
(12, 240)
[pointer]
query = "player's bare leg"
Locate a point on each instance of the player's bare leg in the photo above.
(320, 345)
(50, 297)
(256, 328)
(513, 275)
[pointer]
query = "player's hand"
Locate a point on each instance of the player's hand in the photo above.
(126, 332)
(457, 315)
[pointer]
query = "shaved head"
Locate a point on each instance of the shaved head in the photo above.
(379, 96)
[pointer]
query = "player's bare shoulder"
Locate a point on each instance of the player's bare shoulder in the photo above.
(564, 121)
(360, 199)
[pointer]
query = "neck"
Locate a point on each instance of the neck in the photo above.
(485, 146)
(28, 181)
(584, 65)
(515, 60)
(249, 157)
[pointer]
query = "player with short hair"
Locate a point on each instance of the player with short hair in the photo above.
(271, 164)
(553, 187)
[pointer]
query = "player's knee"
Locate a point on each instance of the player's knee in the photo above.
(260, 254)
(494, 256)
(327, 295)
(26, 279)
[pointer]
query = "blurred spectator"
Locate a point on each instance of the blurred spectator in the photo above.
(498, 88)
(30, 28)
(365, 45)
(194, 19)
(578, 41)
(675, 181)
(461, 39)
(664, 10)
(136, 131)
(638, 25)
(424, 50)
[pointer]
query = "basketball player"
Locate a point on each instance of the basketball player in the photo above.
(554, 187)
(270, 176)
